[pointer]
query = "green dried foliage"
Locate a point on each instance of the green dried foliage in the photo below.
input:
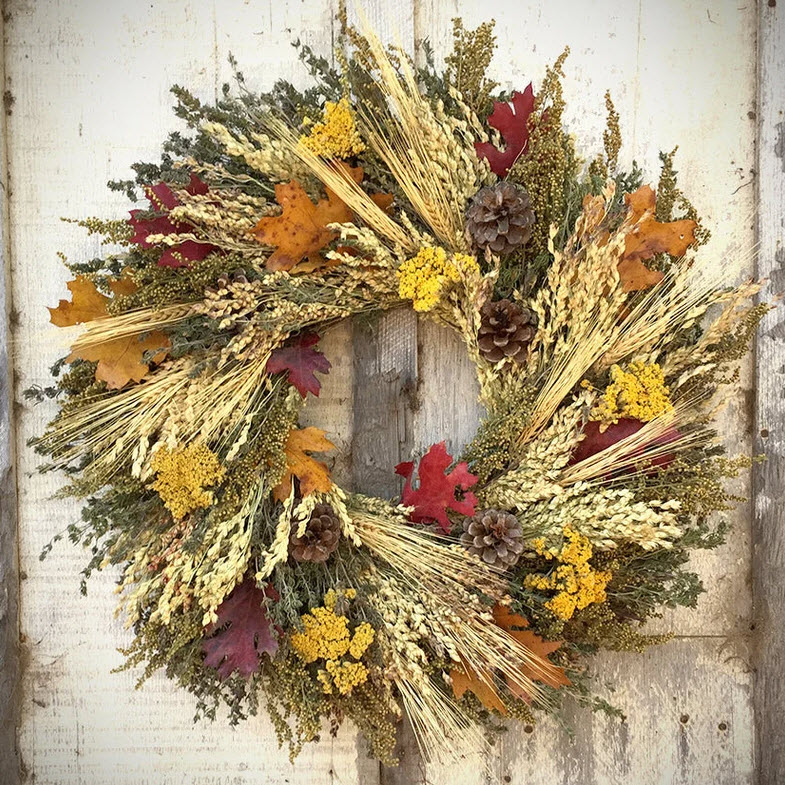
(603, 167)
(496, 445)
(549, 166)
(467, 64)
(297, 706)
(672, 204)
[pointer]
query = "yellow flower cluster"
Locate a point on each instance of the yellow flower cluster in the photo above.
(183, 475)
(639, 392)
(578, 584)
(327, 637)
(336, 136)
(424, 278)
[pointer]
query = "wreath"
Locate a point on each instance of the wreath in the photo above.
(248, 574)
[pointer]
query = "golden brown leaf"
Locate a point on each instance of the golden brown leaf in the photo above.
(635, 276)
(549, 673)
(87, 303)
(312, 474)
(650, 237)
(300, 231)
(124, 285)
(481, 684)
(121, 360)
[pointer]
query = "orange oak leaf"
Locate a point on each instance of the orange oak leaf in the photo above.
(312, 474)
(546, 672)
(122, 360)
(481, 684)
(635, 276)
(124, 285)
(550, 674)
(648, 238)
(87, 303)
(300, 231)
(651, 237)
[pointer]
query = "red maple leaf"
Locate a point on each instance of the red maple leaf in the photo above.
(243, 631)
(300, 362)
(595, 441)
(437, 489)
(511, 120)
(162, 200)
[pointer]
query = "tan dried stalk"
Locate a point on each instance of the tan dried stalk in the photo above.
(641, 446)
(110, 426)
(125, 325)
(451, 575)
(340, 182)
(435, 171)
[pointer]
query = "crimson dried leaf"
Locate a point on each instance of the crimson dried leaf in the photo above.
(163, 199)
(511, 120)
(242, 633)
(596, 439)
(438, 489)
(300, 361)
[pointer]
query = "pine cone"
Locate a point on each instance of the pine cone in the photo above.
(506, 329)
(495, 536)
(320, 537)
(500, 218)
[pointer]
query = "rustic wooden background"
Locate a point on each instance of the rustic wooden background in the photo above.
(86, 86)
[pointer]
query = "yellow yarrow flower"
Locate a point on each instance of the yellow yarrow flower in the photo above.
(425, 278)
(327, 637)
(639, 392)
(183, 476)
(336, 136)
(576, 582)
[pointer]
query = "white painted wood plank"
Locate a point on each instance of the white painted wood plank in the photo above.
(76, 55)
(689, 722)
(668, 66)
(9, 574)
(91, 80)
(769, 519)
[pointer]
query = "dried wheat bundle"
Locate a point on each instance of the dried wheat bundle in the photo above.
(600, 337)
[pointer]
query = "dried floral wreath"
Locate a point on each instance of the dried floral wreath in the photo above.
(247, 573)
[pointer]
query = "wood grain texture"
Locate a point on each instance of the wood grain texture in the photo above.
(91, 80)
(387, 373)
(769, 477)
(9, 574)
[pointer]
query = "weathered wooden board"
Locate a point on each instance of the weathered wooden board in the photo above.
(9, 576)
(769, 478)
(90, 80)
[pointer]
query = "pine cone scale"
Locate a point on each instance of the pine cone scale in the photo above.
(494, 536)
(506, 329)
(500, 218)
(320, 538)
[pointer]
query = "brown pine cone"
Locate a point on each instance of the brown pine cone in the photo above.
(506, 329)
(495, 536)
(320, 537)
(500, 218)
